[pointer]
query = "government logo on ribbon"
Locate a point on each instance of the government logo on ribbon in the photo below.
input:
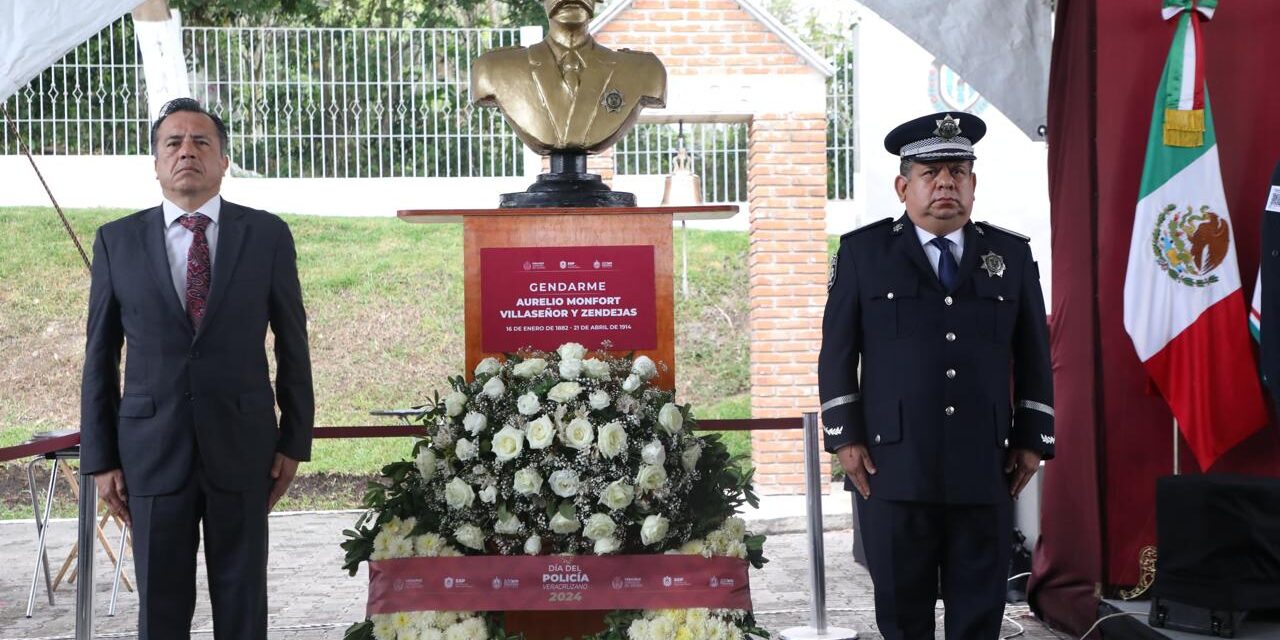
(1188, 245)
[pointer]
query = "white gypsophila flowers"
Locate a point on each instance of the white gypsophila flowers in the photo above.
(564, 483)
(654, 529)
(598, 526)
(564, 392)
(494, 388)
(651, 477)
(508, 443)
(644, 367)
(533, 545)
(471, 536)
(612, 439)
(426, 463)
(631, 383)
(475, 422)
(571, 351)
(654, 453)
(529, 368)
(488, 367)
(595, 369)
(578, 434)
(605, 546)
(507, 524)
(562, 524)
(527, 482)
(627, 405)
(454, 403)
(528, 404)
(599, 399)
(617, 495)
(541, 433)
(670, 418)
(466, 449)
(489, 495)
(689, 458)
(458, 494)
(570, 369)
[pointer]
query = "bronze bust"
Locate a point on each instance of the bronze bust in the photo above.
(569, 93)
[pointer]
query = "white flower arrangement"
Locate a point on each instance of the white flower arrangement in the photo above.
(568, 452)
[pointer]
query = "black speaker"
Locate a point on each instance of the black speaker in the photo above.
(1218, 542)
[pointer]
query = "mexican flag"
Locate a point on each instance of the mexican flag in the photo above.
(1183, 304)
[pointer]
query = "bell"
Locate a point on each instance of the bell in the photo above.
(683, 186)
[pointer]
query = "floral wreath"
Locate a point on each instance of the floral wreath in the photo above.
(558, 453)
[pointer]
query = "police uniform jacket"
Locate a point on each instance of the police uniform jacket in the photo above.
(938, 385)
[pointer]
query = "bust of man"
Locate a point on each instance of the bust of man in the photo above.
(568, 93)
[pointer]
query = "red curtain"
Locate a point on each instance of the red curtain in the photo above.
(1114, 433)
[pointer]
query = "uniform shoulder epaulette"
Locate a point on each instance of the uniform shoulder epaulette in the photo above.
(865, 227)
(1007, 232)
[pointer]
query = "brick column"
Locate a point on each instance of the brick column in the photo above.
(787, 193)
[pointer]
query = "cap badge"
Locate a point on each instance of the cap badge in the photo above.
(993, 264)
(948, 127)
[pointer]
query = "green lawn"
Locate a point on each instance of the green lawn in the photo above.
(384, 302)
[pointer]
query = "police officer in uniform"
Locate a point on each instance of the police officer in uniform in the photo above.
(937, 393)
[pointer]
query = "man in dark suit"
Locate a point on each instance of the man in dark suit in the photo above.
(191, 287)
(942, 315)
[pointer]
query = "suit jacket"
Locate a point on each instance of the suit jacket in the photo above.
(190, 394)
(1270, 324)
(526, 83)
(933, 400)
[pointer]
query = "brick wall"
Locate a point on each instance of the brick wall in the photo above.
(786, 183)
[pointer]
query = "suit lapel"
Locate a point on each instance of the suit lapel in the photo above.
(231, 234)
(546, 76)
(909, 246)
(590, 92)
(151, 235)
(974, 245)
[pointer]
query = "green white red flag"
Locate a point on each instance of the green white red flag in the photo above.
(1184, 307)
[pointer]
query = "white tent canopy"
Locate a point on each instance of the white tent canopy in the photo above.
(34, 34)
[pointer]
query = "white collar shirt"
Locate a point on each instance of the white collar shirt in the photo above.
(177, 240)
(935, 254)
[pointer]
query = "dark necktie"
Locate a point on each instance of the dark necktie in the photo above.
(948, 270)
(198, 271)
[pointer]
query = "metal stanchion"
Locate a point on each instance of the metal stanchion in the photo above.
(84, 561)
(818, 628)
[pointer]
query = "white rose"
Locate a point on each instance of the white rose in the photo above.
(533, 546)
(617, 495)
(654, 453)
(564, 483)
(579, 434)
(570, 369)
(527, 481)
(670, 419)
(654, 529)
(454, 402)
(644, 367)
(613, 439)
(631, 383)
(528, 404)
(595, 369)
(529, 368)
(470, 535)
(489, 495)
(474, 422)
(599, 399)
(571, 351)
(508, 443)
(466, 449)
(561, 524)
(458, 494)
(488, 367)
(599, 526)
(507, 524)
(564, 392)
(605, 546)
(494, 388)
(689, 459)
(426, 463)
(651, 477)
(541, 433)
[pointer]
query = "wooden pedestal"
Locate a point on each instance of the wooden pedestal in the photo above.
(554, 625)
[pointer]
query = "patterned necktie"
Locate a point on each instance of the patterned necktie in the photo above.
(948, 270)
(571, 68)
(198, 271)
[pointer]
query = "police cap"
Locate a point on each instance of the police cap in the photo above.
(947, 135)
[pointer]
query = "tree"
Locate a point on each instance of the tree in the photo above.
(362, 13)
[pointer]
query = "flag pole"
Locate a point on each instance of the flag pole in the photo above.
(1177, 465)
